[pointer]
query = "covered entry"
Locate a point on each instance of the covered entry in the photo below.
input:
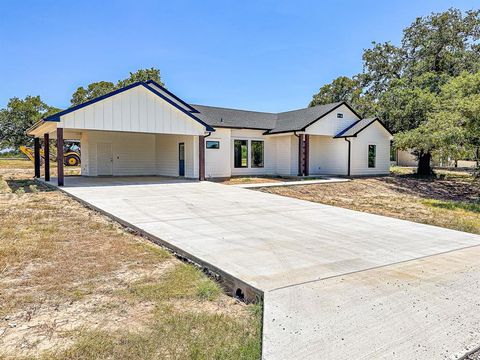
(139, 130)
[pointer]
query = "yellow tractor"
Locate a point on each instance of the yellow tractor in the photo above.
(71, 153)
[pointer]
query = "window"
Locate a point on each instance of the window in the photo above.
(213, 144)
(257, 153)
(240, 150)
(372, 154)
(340, 115)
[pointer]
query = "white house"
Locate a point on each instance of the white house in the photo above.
(144, 129)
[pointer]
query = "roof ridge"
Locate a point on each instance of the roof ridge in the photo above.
(225, 108)
(312, 107)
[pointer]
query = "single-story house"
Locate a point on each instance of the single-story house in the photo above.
(144, 129)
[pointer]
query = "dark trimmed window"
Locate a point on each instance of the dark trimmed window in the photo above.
(240, 153)
(213, 144)
(340, 115)
(257, 153)
(372, 155)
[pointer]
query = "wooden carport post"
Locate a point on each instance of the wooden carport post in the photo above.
(46, 155)
(60, 175)
(201, 157)
(36, 156)
(303, 154)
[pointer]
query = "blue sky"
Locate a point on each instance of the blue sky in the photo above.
(259, 55)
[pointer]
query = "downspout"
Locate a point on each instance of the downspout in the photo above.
(299, 172)
(349, 154)
(201, 156)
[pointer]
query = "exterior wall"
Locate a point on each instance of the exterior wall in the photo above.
(375, 134)
(134, 110)
(166, 155)
(140, 154)
(84, 154)
(270, 150)
(132, 153)
(330, 124)
(279, 156)
(284, 145)
(217, 161)
(328, 156)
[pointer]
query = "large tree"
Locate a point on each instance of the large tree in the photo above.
(345, 89)
(19, 115)
(400, 83)
(99, 88)
(453, 123)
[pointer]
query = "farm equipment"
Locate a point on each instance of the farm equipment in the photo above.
(71, 153)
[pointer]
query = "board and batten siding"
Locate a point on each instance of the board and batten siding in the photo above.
(217, 161)
(132, 153)
(328, 156)
(167, 159)
(140, 154)
(330, 124)
(375, 134)
(134, 110)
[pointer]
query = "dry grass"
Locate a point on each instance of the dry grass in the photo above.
(75, 285)
(451, 200)
(24, 167)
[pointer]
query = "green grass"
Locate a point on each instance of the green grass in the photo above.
(208, 290)
(454, 205)
(180, 336)
(182, 282)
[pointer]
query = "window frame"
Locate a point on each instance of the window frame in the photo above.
(241, 158)
(252, 163)
(212, 141)
(339, 115)
(374, 156)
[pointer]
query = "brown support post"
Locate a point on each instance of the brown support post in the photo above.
(36, 156)
(306, 156)
(60, 176)
(201, 158)
(46, 153)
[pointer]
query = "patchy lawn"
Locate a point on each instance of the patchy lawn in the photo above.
(24, 168)
(76, 285)
(451, 200)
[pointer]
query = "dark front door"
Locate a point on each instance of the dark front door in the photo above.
(181, 159)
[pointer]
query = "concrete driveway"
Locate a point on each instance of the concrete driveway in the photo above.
(337, 283)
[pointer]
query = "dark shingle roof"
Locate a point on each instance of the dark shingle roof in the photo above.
(288, 121)
(297, 120)
(358, 126)
(222, 117)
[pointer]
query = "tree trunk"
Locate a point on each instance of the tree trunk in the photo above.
(424, 168)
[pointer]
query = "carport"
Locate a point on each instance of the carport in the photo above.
(139, 130)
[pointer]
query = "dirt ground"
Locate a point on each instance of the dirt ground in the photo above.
(76, 285)
(451, 200)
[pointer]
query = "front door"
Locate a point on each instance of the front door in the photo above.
(181, 159)
(104, 159)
